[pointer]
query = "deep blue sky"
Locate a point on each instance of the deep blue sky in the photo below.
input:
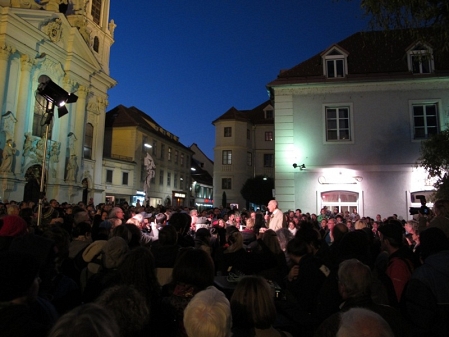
(187, 62)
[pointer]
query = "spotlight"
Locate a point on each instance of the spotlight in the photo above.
(55, 94)
(301, 167)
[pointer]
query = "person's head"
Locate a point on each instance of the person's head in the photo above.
(138, 269)
(271, 240)
(391, 235)
(432, 241)
(441, 207)
(13, 226)
(250, 223)
(330, 223)
(19, 277)
(234, 239)
(117, 212)
(194, 267)
(208, 314)
(360, 322)
(297, 248)
(354, 279)
(272, 205)
(181, 221)
(168, 236)
(339, 231)
(128, 307)
(161, 219)
(252, 304)
(86, 320)
(411, 226)
(360, 224)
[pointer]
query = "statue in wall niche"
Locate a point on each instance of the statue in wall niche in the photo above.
(71, 143)
(7, 157)
(72, 167)
(28, 145)
(40, 150)
(54, 158)
(7, 124)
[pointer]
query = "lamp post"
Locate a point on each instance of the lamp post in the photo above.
(55, 95)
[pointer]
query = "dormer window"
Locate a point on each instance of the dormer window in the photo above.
(335, 63)
(420, 59)
(268, 111)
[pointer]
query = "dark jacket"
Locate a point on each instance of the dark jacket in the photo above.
(426, 297)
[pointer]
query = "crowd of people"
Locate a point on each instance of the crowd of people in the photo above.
(132, 270)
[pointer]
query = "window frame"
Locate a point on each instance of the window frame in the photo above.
(334, 55)
(420, 52)
(40, 106)
(161, 177)
(338, 106)
(226, 157)
(125, 178)
(88, 141)
(438, 118)
(268, 160)
(268, 136)
(111, 174)
(227, 131)
(226, 183)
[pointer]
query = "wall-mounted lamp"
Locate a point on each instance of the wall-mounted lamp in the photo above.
(301, 167)
(148, 146)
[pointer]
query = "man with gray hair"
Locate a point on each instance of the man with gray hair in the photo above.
(360, 322)
(354, 285)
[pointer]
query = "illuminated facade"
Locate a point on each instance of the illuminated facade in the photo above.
(355, 116)
(244, 148)
(130, 138)
(70, 43)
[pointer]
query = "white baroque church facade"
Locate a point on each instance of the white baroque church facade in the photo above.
(68, 41)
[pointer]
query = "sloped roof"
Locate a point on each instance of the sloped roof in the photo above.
(121, 116)
(254, 116)
(370, 54)
(200, 175)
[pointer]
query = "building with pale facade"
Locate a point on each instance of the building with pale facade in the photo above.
(143, 161)
(244, 148)
(69, 43)
(352, 119)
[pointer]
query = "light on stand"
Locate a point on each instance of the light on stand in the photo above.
(55, 95)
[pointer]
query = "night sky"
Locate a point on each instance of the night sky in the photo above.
(185, 63)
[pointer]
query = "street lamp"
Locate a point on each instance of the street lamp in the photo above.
(55, 95)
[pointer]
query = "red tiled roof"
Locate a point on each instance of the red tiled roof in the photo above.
(254, 116)
(370, 54)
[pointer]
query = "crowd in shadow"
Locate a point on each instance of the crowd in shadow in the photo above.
(142, 271)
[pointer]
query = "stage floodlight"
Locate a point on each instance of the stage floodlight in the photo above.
(55, 94)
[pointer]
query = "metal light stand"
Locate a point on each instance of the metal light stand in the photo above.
(50, 112)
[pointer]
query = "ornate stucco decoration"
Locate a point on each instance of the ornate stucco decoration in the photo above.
(53, 29)
(7, 124)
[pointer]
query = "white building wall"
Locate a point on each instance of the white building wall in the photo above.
(382, 152)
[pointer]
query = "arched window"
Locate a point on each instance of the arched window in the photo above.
(96, 43)
(88, 141)
(96, 11)
(342, 200)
